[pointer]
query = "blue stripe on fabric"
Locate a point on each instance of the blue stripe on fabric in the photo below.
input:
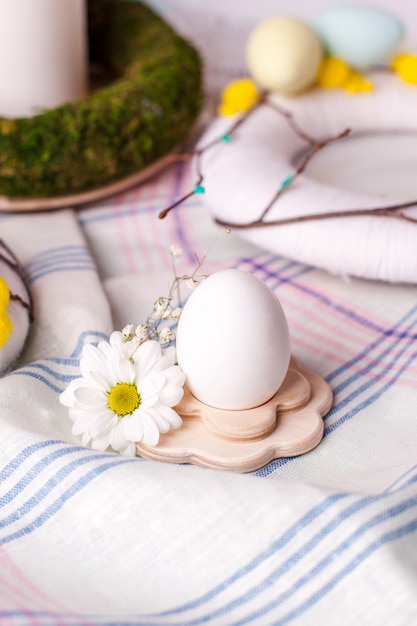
(34, 472)
(121, 212)
(370, 400)
(72, 361)
(374, 344)
(20, 458)
(388, 537)
(59, 259)
(156, 206)
(67, 495)
(303, 552)
(82, 340)
(398, 481)
(72, 268)
(60, 262)
(280, 276)
(40, 379)
(309, 576)
(302, 523)
(57, 254)
(48, 370)
(48, 487)
(338, 406)
(330, 304)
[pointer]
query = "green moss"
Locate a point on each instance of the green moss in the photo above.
(153, 97)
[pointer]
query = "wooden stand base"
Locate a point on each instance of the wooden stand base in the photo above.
(289, 424)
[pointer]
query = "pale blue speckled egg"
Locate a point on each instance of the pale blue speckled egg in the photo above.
(362, 36)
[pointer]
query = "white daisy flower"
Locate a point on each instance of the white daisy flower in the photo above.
(118, 401)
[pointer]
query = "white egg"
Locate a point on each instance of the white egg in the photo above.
(283, 54)
(233, 342)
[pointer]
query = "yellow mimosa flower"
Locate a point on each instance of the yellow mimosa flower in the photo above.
(6, 325)
(406, 67)
(239, 96)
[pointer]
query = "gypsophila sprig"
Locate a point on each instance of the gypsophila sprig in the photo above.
(160, 324)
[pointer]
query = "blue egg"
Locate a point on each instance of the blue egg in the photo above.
(362, 36)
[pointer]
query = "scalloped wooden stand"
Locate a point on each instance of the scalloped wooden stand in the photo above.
(289, 424)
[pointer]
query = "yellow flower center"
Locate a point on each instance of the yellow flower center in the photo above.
(124, 399)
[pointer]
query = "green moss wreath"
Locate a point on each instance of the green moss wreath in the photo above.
(151, 98)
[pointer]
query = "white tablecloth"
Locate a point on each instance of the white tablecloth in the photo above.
(92, 538)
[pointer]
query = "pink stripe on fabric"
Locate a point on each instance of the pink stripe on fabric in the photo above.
(360, 336)
(270, 270)
(356, 368)
(30, 598)
(147, 197)
(181, 229)
(119, 220)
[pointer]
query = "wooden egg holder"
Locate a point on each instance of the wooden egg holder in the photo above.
(289, 424)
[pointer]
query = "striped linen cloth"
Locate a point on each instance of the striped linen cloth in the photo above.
(89, 538)
(96, 539)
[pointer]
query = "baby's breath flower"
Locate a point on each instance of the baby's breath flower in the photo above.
(161, 309)
(166, 335)
(176, 313)
(141, 331)
(128, 332)
(190, 283)
(175, 250)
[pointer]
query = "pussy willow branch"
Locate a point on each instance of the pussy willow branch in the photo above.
(197, 154)
(300, 169)
(394, 210)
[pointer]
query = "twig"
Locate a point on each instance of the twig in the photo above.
(389, 211)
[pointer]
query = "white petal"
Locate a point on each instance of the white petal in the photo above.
(148, 358)
(175, 375)
(150, 431)
(92, 359)
(101, 442)
(95, 422)
(171, 356)
(90, 397)
(164, 418)
(171, 395)
(150, 387)
(129, 450)
(85, 439)
(174, 420)
(133, 426)
(118, 440)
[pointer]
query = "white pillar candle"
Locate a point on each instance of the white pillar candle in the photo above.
(43, 55)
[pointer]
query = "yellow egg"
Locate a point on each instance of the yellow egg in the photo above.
(283, 54)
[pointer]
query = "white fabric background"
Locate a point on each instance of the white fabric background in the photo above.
(89, 538)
